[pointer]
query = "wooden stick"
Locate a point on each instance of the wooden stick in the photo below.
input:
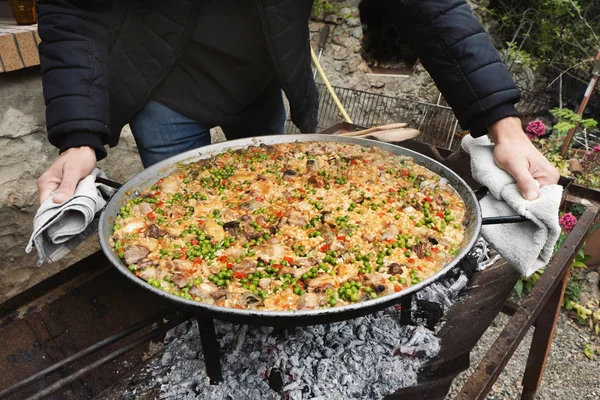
(329, 88)
(375, 129)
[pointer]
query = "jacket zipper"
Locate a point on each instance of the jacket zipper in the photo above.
(265, 30)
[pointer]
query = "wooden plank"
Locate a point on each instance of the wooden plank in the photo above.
(9, 53)
(28, 48)
(487, 291)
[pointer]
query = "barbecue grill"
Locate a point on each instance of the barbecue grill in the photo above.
(489, 290)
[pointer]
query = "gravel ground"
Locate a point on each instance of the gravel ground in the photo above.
(569, 374)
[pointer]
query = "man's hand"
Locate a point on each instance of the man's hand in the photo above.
(515, 154)
(63, 176)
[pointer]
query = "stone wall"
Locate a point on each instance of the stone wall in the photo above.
(24, 155)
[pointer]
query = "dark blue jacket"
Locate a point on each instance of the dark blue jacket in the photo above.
(101, 59)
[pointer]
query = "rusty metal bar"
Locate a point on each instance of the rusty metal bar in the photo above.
(108, 358)
(83, 353)
(489, 369)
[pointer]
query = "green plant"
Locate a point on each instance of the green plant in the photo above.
(512, 54)
(568, 119)
(322, 8)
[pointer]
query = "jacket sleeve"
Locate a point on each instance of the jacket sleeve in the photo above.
(458, 54)
(73, 58)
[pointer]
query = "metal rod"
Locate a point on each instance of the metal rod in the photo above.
(510, 219)
(406, 310)
(586, 98)
(115, 354)
(90, 350)
(210, 348)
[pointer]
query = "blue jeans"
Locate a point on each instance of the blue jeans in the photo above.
(161, 132)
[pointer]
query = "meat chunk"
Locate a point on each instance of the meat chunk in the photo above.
(246, 267)
(419, 249)
(179, 280)
(395, 269)
(251, 205)
(309, 301)
(378, 283)
(135, 253)
(264, 283)
(208, 291)
(170, 184)
(273, 251)
(317, 181)
(321, 282)
(155, 232)
(294, 217)
(390, 232)
(232, 227)
(347, 271)
(214, 230)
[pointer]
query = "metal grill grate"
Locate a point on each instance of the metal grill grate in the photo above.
(437, 123)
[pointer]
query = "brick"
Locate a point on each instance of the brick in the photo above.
(28, 48)
(9, 53)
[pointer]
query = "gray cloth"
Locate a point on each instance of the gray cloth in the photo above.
(528, 246)
(59, 228)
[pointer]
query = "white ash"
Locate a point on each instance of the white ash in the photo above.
(368, 357)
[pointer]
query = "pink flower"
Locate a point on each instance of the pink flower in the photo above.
(536, 128)
(596, 149)
(567, 221)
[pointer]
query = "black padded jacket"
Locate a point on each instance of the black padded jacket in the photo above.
(101, 60)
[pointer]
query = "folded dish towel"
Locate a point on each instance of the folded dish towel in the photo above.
(59, 228)
(528, 246)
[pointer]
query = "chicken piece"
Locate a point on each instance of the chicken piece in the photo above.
(208, 291)
(347, 271)
(142, 209)
(182, 265)
(264, 283)
(246, 266)
(251, 205)
(214, 230)
(391, 231)
(135, 253)
(272, 251)
(293, 217)
(179, 280)
(295, 272)
(130, 225)
(378, 283)
(148, 273)
(174, 231)
(149, 243)
(234, 252)
(308, 301)
(155, 232)
(170, 184)
(321, 282)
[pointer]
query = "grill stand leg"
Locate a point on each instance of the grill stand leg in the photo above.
(542, 339)
(210, 348)
(406, 310)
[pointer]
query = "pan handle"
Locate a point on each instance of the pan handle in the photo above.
(508, 219)
(108, 182)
